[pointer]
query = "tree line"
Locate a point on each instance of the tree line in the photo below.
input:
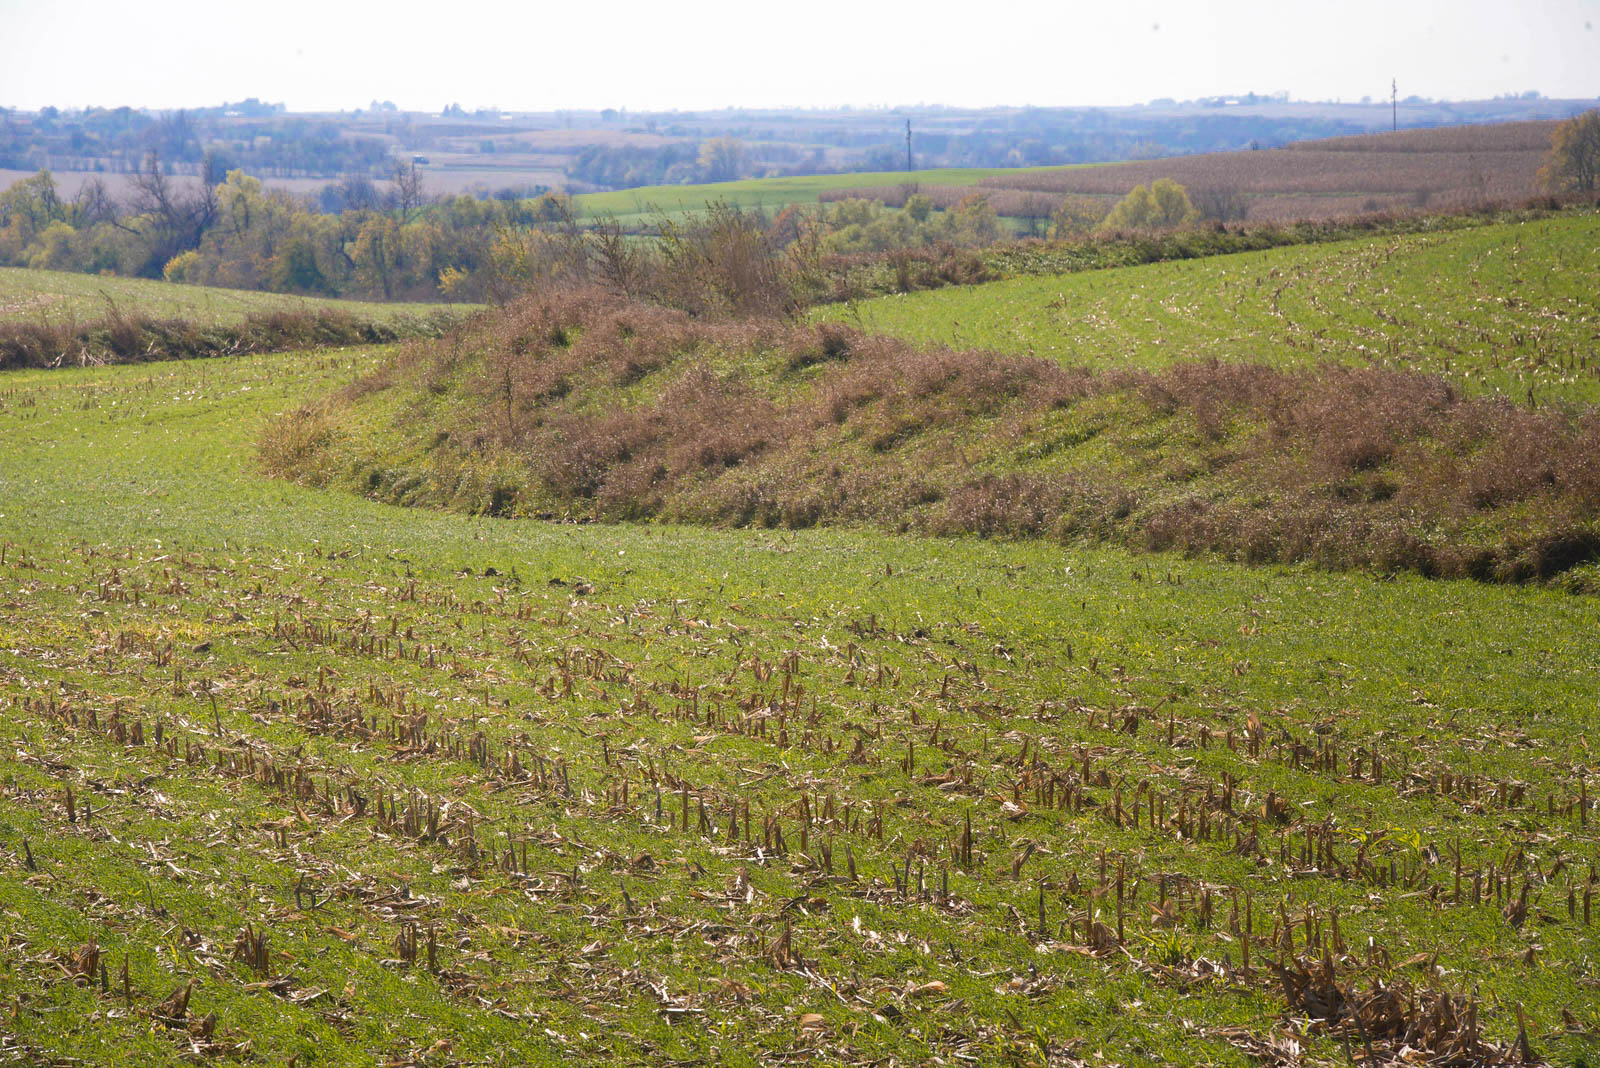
(400, 243)
(231, 230)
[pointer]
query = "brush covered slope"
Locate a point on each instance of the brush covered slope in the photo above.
(289, 775)
(577, 405)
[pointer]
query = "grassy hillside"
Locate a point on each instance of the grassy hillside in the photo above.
(1503, 308)
(287, 773)
(61, 296)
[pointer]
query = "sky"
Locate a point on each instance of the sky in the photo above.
(535, 55)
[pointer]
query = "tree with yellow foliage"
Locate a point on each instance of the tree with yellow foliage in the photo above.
(1574, 160)
(1163, 203)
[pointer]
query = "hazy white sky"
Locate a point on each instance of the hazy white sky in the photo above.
(536, 55)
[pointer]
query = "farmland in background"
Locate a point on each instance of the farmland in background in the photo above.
(489, 151)
(640, 207)
(1413, 170)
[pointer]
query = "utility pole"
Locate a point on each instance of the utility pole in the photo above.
(908, 146)
(1394, 104)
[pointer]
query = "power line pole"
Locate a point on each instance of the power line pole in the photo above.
(1394, 104)
(908, 146)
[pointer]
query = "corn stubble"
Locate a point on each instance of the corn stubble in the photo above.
(728, 796)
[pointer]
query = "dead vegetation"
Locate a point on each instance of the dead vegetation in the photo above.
(590, 408)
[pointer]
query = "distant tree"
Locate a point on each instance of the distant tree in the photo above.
(1574, 160)
(93, 204)
(721, 158)
(295, 269)
(919, 206)
(974, 221)
(30, 205)
(1076, 216)
(55, 248)
(184, 267)
(1172, 203)
(376, 255)
(1220, 203)
(555, 211)
(353, 193)
(1163, 203)
(171, 218)
(408, 194)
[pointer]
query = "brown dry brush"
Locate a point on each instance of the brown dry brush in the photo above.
(584, 407)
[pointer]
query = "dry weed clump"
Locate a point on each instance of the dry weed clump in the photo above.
(1383, 469)
(298, 441)
(580, 405)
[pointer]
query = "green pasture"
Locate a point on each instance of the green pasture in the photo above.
(772, 194)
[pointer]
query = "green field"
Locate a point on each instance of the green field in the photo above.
(1495, 308)
(313, 659)
(772, 194)
(63, 297)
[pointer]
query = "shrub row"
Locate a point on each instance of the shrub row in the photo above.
(134, 338)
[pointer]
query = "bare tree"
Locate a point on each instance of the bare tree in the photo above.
(1220, 203)
(170, 216)
(408, 195)
(93, 204)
